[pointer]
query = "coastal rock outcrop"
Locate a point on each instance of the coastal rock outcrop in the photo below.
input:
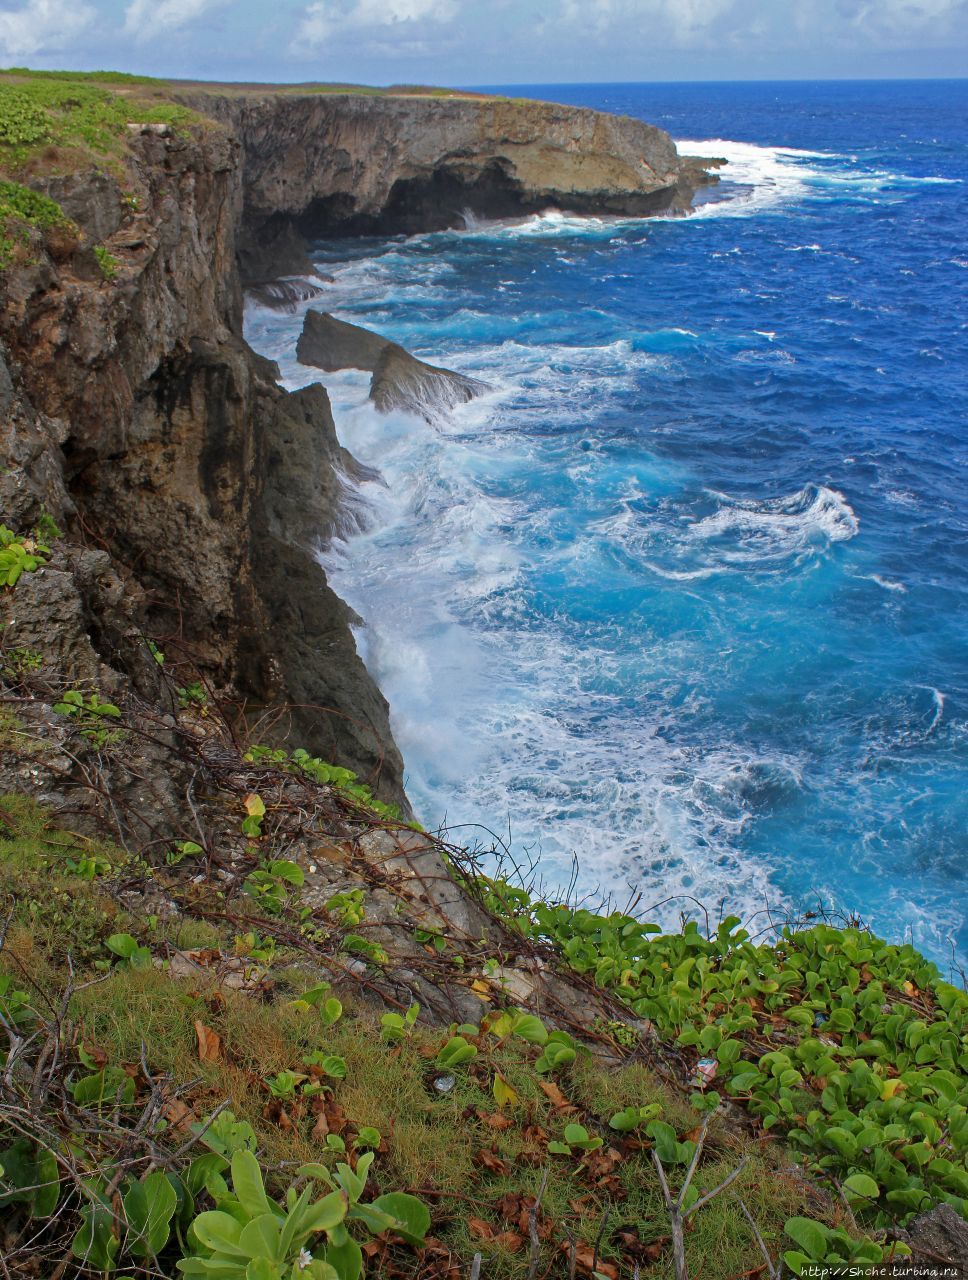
(330, 344)
(344, 164)
(195, 491)
(400, 380)
(142, 423)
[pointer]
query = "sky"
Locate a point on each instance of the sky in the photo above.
(470, 42)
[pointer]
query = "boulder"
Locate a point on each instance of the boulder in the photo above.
(400, 380)
(330, 344)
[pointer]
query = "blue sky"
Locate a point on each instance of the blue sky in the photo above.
(466, 42)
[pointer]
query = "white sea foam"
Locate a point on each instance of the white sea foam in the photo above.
(760, 179)
(778, 526)
(887, 583)
(547, 719)
(740, 535)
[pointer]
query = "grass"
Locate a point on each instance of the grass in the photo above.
(106, 261)
(21, 208)
(476, 1164)
(59, 121)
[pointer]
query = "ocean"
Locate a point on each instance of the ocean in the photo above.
(678, 609)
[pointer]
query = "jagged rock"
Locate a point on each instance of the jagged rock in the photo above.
(287, 292)
(90, 198)
(279, 251)
(330, 344)
(137, 414)
(937, 1238)
(400, 380)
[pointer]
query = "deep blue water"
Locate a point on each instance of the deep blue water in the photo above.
(685, 596)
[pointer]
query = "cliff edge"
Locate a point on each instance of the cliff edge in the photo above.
(138, 418)
(344, 164)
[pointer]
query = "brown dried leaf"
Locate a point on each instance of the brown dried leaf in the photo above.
(483, 1230)
(585, 1205)
(492, 1162)
(495, 1120)
(512, 1241)
(600, 1163)
(96, 1054)
(209, 1044)
(509, 1205)
(553, 1093)
(585, 1260)
(178, 1115)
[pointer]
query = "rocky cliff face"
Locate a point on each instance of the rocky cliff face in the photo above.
(138, 418)
(194, 489)
(339, 164)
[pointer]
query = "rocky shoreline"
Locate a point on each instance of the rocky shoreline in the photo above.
(140, 420)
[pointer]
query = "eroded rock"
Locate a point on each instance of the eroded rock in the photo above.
(400, 380)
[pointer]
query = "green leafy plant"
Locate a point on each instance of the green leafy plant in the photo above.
(29, 1175)
(91, 715)
(255, 812)
(17, 663)
(259, 948)
(347, 907)
(331, 1064)
(820, 1246)
(103, 1086)
(398, 1026)
(853, 1048)
(108, 263)
(192, 695)
(367, 1136)
(272, 884)
(576, 1138)
(250, 1236)
(129, 950)
(22, 208)
(631, 1118)
(15, 1007)
(455, 1053)
(182, 850)
(19, 555)
(224, 1135)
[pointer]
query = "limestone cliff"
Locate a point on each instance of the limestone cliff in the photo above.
(342, 164)
(135, 414)
(194, 489)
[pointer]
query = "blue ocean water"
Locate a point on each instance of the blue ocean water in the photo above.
(685, 595)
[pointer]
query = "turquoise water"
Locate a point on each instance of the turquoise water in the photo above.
(684, 596)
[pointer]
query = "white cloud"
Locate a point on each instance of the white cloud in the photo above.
(325, 21)
(42, 26)
(674, 22)
(685, 24)
(146, 19)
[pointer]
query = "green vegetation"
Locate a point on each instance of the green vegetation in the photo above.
(441, 1143)
(106, 261)
(67, 117)
(91, 715)
(24, 553)
(300, 761)
(856, 1050)
(98, 77)
(255, 1005)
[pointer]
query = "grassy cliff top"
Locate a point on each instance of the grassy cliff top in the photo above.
(56, 121)
(52, 121)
